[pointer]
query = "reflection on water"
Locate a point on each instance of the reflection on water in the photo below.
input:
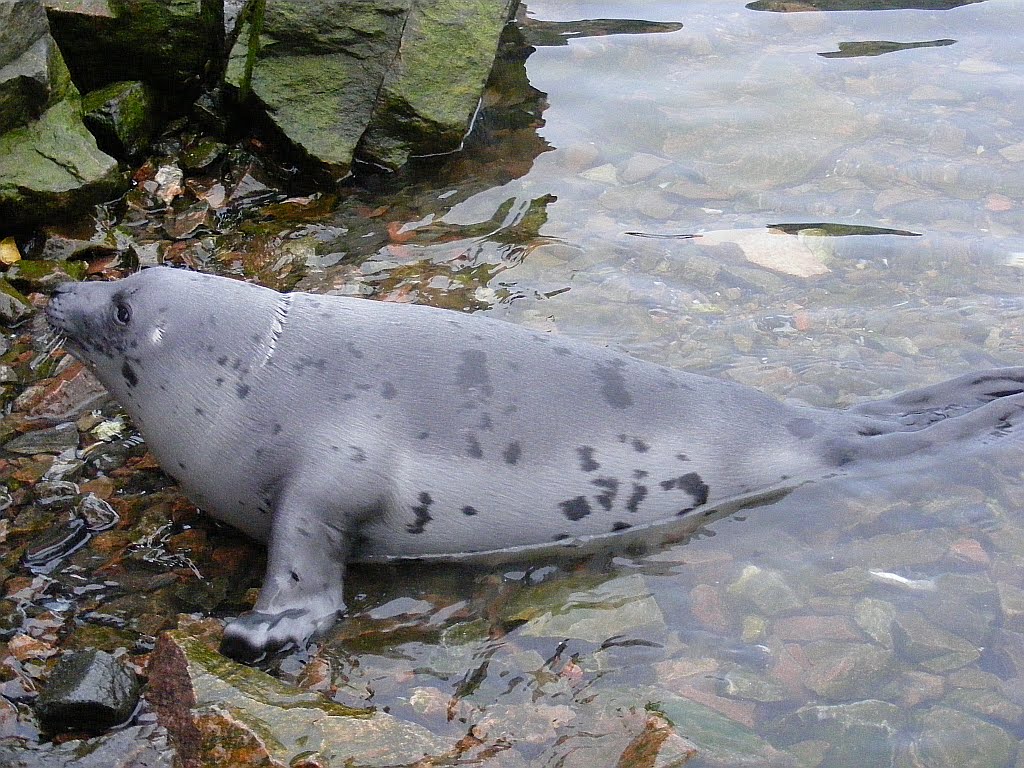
(796, 6)
(878, 47)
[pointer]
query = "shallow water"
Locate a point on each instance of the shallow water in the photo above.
(730, 197)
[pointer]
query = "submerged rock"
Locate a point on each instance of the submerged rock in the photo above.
(222, 713)
(88, 691)
(143, 746)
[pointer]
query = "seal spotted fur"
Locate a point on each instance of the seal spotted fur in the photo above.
(333, 428)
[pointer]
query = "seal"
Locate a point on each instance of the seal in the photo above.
(335, 428)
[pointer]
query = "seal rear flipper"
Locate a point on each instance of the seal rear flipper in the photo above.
(919, 408)
(994, 420)
(302, 592)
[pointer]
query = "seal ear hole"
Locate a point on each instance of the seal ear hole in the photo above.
(122, 313)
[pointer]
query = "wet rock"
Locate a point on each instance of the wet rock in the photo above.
(875, 618)
(36, 275)
(952, 739)
(55, 495)
(858, 734)
(615, 607)
(990, 704)
(202, 154)
(87, 691)
(32, 72)
(934, 648)
(14, 307)
(843, 671)
(97, 514)
(142, 746)
(432, 89)
(56, 439)
(123, 117)
(222, 713)
(64, 397)
(743, 684)
(719, 740)
(51, 168)
(168, 44)
(767, 590)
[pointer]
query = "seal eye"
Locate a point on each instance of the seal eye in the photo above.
(122, 314)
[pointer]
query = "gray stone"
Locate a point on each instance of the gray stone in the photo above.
(860, 733)
(934, 648)
(14, 307)
(219, 713)
(952, 739)
(123, 117)
(49, 440)
(844, 671)
(141, 746)
(172, 44)
(32, 72)
(767, 590)
(432, 89)
(87, 691)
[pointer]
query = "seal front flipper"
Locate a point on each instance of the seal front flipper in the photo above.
(302, 591)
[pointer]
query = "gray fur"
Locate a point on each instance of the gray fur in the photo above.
(333, 427)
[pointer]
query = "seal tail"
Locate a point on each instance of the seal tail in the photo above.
(1000, 417)
(925, 407)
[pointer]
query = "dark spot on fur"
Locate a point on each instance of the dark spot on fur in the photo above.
(620, 526)
(640, 474)
(473, 449)
(682, 457)
(802, 428)
(276, 429)
(692, 483)
(364, 387)
(357, 454)
(348, 396)
(295, 576)
(200, 412)
(182, 465)
(219, 381)
(242, 390)
(613, 384)
(237, 364)
(564, 351)
(560, 537)
(354, 351)
(513, 451)
(486, 423)
(586, 454)
(422, 435)
(639, 445)
(638, 495)
(870, 431)
(472, 375)
(129, 374)
(576, 509)
(388, 391)
(469, 511)
(222, 360)
(422, 512)
(611, 488)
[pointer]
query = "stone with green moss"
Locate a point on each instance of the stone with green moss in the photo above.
(222, 713)
(431, 93)
(172, 44)
(33, 75)
(52, 169)
(123, 117)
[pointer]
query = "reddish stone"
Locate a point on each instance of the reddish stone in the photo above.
(806, 628)
(969, 551)
(707, 607)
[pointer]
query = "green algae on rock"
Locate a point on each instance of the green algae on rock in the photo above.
(431, 93)
(52, 168)
(219, 712)
(169, 43)
(122, 116)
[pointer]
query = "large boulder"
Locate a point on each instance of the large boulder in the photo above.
(386, 78)
(32, 73)
(171, 44)
(432, 90)
(50, 166)
(315, 67)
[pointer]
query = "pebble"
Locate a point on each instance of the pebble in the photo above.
(87, 691)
